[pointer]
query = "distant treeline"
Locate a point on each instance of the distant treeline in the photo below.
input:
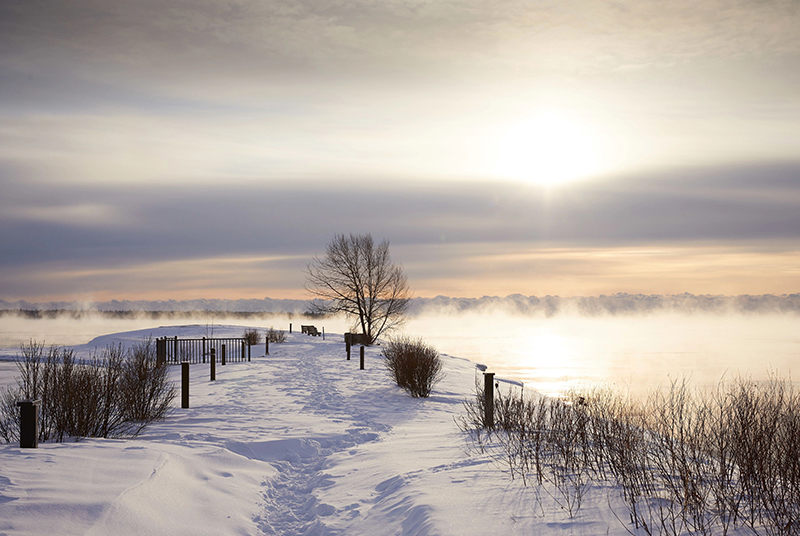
(79, 314)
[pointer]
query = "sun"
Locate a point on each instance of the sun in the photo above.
(549, 148)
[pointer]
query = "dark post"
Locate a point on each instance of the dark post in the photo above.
(175, 355)
(242, 350)
(185, 384)
(28, 423)
(290, 327)
(161, 351)
(488, 399)
(347, 344)
(266, 343)
(213, 362)
(248, 353)
(323, 333)
(362, 357)
(223, 354)
(204, 349)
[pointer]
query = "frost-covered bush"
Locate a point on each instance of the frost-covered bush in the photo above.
(413, 365)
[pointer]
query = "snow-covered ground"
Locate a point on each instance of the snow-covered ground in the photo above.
(297, 442)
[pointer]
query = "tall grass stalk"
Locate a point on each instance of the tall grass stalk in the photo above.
(685, 461)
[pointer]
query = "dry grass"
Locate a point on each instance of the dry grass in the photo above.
(685, 461)
(276, 335)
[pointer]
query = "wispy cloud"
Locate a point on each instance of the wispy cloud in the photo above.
(167, 137)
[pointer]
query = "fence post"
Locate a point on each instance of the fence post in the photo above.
(266, 339)
(488, 399)
(184, 384)
(161, 354)
(213, 360)
(362, 357)
(28, 423)
(204, 349)
(223, 354)
(323, 333)
(242, 350)
(347, 344)
(290, 328)
(175, 348)
(248, 353)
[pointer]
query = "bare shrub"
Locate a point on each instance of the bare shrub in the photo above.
(252, 337)
(685, 461)
(9, 415)
(276, 335)
(413, 365)
(116, 393)
(144, 387)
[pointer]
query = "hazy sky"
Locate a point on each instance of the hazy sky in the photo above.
(185, 149)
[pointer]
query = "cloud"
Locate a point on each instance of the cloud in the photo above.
(173, 133)
(739, 223)
(724, 205)
(225, 50)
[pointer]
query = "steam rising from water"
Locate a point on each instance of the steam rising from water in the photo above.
(551, 344)
(633, 353)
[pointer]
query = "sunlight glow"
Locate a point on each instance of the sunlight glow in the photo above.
(547, 149)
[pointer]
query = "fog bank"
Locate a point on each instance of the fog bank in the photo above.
(614, 304)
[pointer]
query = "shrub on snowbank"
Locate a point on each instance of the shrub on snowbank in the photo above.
(117, 393)
(413, 365)
(252, 337)
(683, 460)
(276, 335)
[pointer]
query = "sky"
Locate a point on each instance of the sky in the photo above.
(209, 149)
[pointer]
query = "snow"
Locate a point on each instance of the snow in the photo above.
(297, 442)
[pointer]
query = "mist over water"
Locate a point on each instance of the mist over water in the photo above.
(632, 353)
(69, 331)
(551, 354)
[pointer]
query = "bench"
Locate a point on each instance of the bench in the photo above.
(310, 330)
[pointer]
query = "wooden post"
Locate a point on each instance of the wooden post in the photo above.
(242, 350)
(204, 349)
(175, 354)
(347, 344)
(266, 343)
(323, 333)
(362, 357)
(248, 353)
(290, 328)
(28, 423)
(161, 351)
(185, 384)
(213, 361)
(223, 354)
(488, 399)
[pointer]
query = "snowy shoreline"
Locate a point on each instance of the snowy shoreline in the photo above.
(297, 442)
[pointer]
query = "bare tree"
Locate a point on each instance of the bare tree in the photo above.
(357, 278)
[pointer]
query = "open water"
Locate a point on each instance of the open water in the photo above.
(551, 355)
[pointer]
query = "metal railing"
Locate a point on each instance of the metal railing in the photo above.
(172, 350)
